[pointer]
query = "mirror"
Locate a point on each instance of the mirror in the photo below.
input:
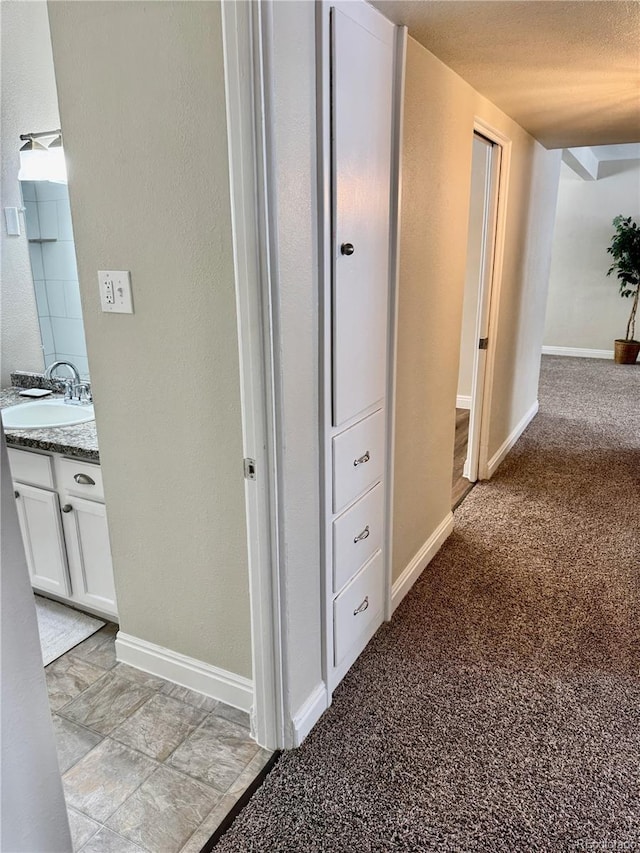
(54, 272)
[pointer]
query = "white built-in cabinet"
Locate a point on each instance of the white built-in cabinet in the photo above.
(63, 521)
(358, 108)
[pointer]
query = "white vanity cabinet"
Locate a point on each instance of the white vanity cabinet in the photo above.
(63, 520)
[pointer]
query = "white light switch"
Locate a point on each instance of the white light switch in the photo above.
(115, 291)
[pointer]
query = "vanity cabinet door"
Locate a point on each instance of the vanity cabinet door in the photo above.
(39, 517)
(89, 552)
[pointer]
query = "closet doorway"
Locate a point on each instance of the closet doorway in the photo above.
(475, 333)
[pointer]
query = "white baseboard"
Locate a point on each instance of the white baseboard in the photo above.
(578, 353)
(418, 564)
(515, 434)
(463, 402)
(227, 687)
(309, 714)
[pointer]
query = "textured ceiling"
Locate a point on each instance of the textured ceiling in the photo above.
(568, 72)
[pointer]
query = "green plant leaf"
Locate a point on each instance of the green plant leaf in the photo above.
(625, 250)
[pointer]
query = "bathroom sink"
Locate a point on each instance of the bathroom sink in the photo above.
(44, 414)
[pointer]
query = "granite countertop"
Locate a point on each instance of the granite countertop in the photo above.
(80, 441)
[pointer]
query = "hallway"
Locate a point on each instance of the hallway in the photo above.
(499, 710)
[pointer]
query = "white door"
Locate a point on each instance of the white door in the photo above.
(480, 257)
(39, 517)
(361, 132)
(87, 535)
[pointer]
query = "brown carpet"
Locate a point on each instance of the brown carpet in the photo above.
(500, 710)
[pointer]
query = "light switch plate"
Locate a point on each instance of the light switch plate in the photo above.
(115, 291)
(12, 221)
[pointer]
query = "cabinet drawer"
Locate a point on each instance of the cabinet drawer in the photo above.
(357, 535)
(33, 468)
(358, 459)
(80, 478)
(357, 607)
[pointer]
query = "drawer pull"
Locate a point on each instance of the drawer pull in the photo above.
(67, 508)
(362, 459)
(84, 480)
(364, 535)
(362, 607)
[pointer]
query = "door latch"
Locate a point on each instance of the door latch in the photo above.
(483, 343)
(249, 469)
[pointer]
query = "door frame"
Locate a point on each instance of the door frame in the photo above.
(395, 219)
(482, 294)
(493, 289)
(245, 35)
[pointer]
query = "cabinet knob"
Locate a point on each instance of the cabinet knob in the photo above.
(67, 508)
(347, 249)
(16, 495)
(84, 480)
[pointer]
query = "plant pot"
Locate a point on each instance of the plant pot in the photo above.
(626, 352)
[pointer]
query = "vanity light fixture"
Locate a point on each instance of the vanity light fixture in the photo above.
(42, 160)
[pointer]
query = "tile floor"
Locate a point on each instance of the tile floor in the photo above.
(146, 765)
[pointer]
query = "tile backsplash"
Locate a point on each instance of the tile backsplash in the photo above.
(55, 275)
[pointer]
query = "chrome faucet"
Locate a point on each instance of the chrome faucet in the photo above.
(75, 391)
(48, 374)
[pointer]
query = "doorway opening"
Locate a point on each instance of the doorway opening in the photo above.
(474, 335)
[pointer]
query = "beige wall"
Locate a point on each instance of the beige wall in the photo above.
(585, 309)
(141, 93)
(438, 131)
(29, 103)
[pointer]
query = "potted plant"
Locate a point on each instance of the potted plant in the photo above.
(625, 249)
